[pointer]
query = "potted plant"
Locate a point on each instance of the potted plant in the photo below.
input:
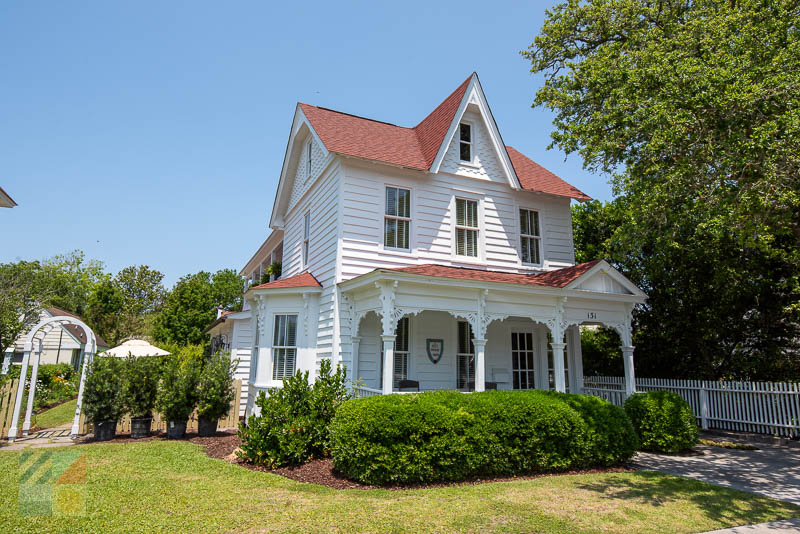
(102, 399)
(274, 269)
(177, 391)
(139, 388)
(214, 392)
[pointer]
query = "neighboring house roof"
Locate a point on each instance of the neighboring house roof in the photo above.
(5, 200)
(417, 147)
(298, 280)
(558, 278)
(76, 331)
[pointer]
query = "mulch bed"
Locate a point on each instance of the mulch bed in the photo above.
(224, 444)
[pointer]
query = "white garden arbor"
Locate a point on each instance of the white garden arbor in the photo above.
(33, 346)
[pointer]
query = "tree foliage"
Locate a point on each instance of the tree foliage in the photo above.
(191, 306)
(21, 291)
(693, 108)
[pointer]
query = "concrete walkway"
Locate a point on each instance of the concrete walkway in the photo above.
(773, 470)
(51, 437)
(776, 527)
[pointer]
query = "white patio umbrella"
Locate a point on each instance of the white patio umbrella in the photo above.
(135, 347)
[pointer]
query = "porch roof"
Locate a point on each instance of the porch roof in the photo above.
(298, 280)
(558, 278)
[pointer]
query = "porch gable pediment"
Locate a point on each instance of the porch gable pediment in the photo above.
(603, 278)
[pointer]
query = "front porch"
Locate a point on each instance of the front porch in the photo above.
(419, 332)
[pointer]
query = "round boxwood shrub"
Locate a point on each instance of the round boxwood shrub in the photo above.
(663, 421)
(611, 438)
(446, 435)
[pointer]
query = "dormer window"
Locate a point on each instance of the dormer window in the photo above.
(308, 160)
(465, 146)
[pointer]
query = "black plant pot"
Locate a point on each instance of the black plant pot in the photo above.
(176, 429)
(140, 426)
(206, 427)
(105, 430)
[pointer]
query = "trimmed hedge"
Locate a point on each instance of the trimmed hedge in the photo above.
(663, 421)
(446, 435)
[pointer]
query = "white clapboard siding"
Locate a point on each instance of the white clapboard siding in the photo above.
(757, 407)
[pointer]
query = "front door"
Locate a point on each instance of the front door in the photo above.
(522, 356)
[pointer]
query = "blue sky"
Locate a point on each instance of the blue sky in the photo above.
(153, 132)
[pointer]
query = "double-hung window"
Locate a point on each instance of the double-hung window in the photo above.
(522, 360)
(284, 347)
(400, 364)
(306, 235)
(530, 237)
(466, 227)
(397, 221)
(465, 142)
(465, 373)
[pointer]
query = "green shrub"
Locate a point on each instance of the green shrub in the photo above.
(140, 378)
(102, 399)
(663, 421)
(177, 389)
(293, 424)
(446, 435)
(611, 437)
(215, 388)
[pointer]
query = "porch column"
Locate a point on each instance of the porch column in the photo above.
(630, 378)
(23, 374)
(388, 364)
(558, 366)
(480, 364)
(356, 343)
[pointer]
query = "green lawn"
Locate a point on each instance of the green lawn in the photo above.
(63, 413)
(173, 486)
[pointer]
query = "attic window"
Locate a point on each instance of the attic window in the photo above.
(308, 160)
(465, 146)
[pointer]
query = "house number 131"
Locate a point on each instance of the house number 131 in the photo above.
(592, 315)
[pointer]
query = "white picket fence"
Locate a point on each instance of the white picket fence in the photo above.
(757, 407)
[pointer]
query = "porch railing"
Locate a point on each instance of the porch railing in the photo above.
(758, 407)
(363, 391)
(614, 396)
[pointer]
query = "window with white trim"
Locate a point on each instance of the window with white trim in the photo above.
(465, 358)
(306, 236)
(284, 347)
(530, 237)
(308, 159)
(400, 364)
(465, 142)
(466, 227)
(522, 360)
(397, 221)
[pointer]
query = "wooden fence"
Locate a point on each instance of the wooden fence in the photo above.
(231, 420)
(758, 407)
(8, 394)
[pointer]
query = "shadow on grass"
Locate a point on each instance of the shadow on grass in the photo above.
(717, 503)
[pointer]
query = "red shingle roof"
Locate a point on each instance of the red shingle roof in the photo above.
(416, 147)
(558, 278)
(534, 177)
(298, 280)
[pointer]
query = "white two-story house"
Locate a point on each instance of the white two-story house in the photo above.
(423, 258)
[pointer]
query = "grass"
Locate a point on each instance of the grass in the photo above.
(61, 414)
(173, 486)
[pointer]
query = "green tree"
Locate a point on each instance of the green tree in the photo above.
(692, 107)
(191, 306)
(71, 279)
(21, 294)
(142, 296)
(103, 311)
